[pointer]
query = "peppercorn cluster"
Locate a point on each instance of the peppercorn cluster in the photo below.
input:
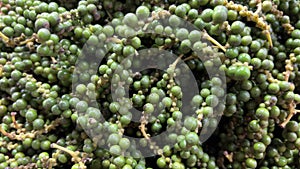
(222, 92)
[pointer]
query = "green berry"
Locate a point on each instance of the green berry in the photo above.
(131, 20)
(176, 90)
(251, 163)
(38, 124)
(161, 162)
(43, 34)
(237, 27)
(142, 12)
(219, 14)
(262, 113)
(242, 73)
(192, 138)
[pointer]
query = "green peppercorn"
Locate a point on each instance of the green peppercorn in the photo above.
(219, 14)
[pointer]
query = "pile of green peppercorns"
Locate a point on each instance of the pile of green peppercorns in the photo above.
(57, 112)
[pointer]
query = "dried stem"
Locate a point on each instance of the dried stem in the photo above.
(75, 155)
(292, 111)
(212, 40)
(189, 58)
(115, 40)
(13, 117)
(27, 166)
(144, 122)
(9, 135)
(259, 7)
(17, 41)
(4, 37)
(288, 67)
(229, 156)
(1, 70)
(173, 66)
(49, 127)
(32, 39)
(292, 106)
(21, 136)
(270, 77)
(279, 14)
(252, 16)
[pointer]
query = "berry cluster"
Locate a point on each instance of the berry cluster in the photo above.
(149, 84)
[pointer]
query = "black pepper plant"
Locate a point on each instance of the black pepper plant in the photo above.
(70, 95)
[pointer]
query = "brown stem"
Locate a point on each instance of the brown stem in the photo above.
(279, 14)
(270, 77)
(4, 37)
(292, 111)
(143, 125)
(229, 156)
(259, 7)
(267, 32)
(252, 16)
(212, 40)
(173, 65)
(13, 118)
(75, 155)
(114, 39)
(10, 136)
(21, 136)
(189, 58)
(289, 67)
(1, 70)
(32, 39)
(49, 127)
